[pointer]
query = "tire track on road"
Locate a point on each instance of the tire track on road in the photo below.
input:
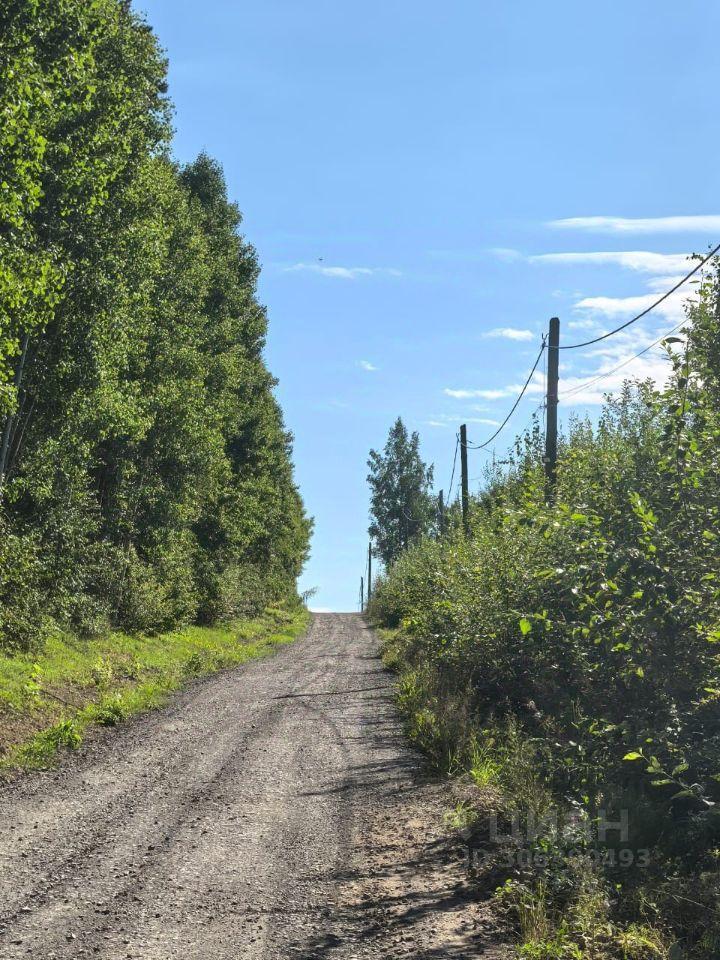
(250, 819)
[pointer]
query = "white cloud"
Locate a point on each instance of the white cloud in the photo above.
(535, 388)
(604, 367)
(536, 385)
(471, 394)
(487, 421)
(507, 254)
(343, 273)
(586, 324)
(663, 284)
(445, 420)
(614, 361)
(643, 261)
(589, 391)
(366, 365)
(509, 333)
(687, 224)
(610, 363)
(618, 308)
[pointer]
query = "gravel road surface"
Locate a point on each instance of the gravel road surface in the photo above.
(269, 812)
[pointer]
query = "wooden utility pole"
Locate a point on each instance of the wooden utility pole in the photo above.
(369, 583)
(464, 479)
(551, 430)
(362, 594)
(441, 513)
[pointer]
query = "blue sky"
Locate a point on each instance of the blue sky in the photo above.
(426, 184)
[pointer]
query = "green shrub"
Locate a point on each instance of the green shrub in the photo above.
(42, 748)
(569, 651)
(24, 623)
(111, 712)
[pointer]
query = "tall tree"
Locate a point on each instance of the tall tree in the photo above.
(145, 471)
(401, 505)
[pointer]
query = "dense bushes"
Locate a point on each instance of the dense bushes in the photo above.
(145, 469)
(591, 626)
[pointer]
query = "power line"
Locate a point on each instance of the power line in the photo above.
(541, 406)
(543, 402)
(452, 478)
(644, 313)
(609, 373)
(575, 346)
(491, 453)
(514, 407)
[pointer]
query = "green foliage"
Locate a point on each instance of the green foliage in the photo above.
(82, 100)
(43, 747)
(591, 625)
(401, 505)
(111, 712)
(74, 683)
(147, 479)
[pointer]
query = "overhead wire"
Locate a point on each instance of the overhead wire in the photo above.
(574, 346)
(543, 402)
(452, 477)
(647, 310)
(608, 373)
(481, 446)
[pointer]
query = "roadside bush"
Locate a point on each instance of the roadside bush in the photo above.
(22, 625)
(591, 625)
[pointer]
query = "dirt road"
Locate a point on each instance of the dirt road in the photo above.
(270, 812)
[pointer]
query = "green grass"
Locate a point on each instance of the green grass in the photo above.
(49, 700)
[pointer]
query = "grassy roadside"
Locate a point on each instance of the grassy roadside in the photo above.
(494, 770)
(49, 700)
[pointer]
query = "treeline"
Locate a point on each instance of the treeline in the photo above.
(145, 472)
(566, 655)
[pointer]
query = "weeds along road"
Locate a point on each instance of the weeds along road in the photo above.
(269, 812)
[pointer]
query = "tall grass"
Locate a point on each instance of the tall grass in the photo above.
(49, 701)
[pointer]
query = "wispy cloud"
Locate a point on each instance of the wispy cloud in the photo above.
(606, 366)
(477, 254)
(617, 308)
(445, 420)
(507, 254)
(343, 273)
(463, 394)
(587, 323)
(643, 261)
(663, 284)
(614, 371)
(610, 363)
(536, 386)
(687, 224)
(614, 362)
(366, 365)
(509, 333)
